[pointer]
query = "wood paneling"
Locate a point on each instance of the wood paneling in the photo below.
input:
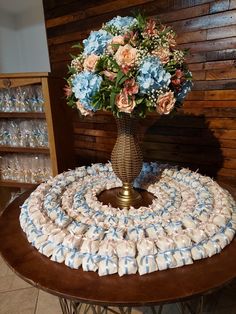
(203, 133)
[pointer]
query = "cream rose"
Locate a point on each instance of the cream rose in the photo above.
(118, 40)
(83, 111)
(163, 54)
(90, 62)
(165, 103)
(124, 103)
(126, 55)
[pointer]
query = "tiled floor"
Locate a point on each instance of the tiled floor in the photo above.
(18, 297)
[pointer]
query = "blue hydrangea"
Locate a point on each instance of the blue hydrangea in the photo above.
(97, 42)
(152, 75)
(186, 87)
(122, 23)
(85, 85)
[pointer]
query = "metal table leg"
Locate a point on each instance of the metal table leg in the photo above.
(73, 307)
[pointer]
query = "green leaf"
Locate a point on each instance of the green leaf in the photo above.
(119, 76)
(112, 99)
(123, 80)
(139, 101)
(78, 45)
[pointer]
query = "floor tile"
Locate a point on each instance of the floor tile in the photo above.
(6, 283)
(21, 301)
(4, 269)
(47, 304)
(19, 283)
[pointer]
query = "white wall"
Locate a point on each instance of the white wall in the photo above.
(23, 43)
(9, 48)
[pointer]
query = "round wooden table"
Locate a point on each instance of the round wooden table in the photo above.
(158, 288)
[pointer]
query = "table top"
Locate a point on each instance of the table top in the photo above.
(160, 287)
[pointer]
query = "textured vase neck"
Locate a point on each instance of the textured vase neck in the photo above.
(127, 125)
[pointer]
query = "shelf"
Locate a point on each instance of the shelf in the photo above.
(15, 184)
(37, 150)
(31, 115)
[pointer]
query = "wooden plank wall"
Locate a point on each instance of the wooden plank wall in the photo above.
(203, 135)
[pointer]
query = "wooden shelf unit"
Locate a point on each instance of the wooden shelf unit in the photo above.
(57, 118)
(23, 115)
(16, 184)
(30, 150)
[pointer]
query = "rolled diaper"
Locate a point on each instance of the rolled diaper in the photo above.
(154, 230)
(165, 260)
(198, 252)
(127, 265)
(125, 248)
(146, 246)
(47, 247)
(95, 232)
(59, 253)
(72, 242)
(135, 233)
(165, 243)
(90, 262)
(146, 264)
(107, 265)
(73, 259)
(183, 257)
(114, 233)
(89, 250)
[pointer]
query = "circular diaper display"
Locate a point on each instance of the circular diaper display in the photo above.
(190, 218)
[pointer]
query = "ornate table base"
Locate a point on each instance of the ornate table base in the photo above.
(73, 307)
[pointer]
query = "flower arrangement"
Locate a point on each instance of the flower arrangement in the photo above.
(131, 65)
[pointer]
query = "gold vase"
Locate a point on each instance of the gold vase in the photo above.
(127, 159)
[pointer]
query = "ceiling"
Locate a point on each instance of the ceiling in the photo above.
(17, 6)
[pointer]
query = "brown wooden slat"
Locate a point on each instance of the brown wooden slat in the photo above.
(221, 74)
(212, 95)
(198, 75)
(212, 112)
(220, 94)
(68, 6)
(219, 6)
(204, 22)
(226, 54)
(232, 4)
(227, 172)
(191, 37)
(221, 32)
(93, 11)
(183, 14)
(222, 64)
(211, 45)
(196, 57)
(212, 85)
(210, 104)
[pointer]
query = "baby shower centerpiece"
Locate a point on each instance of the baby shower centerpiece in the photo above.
(130, 67)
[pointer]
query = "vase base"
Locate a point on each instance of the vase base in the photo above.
(113, 197)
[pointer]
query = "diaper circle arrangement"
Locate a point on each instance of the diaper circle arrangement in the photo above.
(190, 218)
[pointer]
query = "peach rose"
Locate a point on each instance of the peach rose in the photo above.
(171, 40)
(126, 55)
(83, 111)
(90, 62)
(150, 29)
(67, 90)
(131, 87)
(110, 75)
(165, 103)
(124, 103)
(118, 40)
(163, 54)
